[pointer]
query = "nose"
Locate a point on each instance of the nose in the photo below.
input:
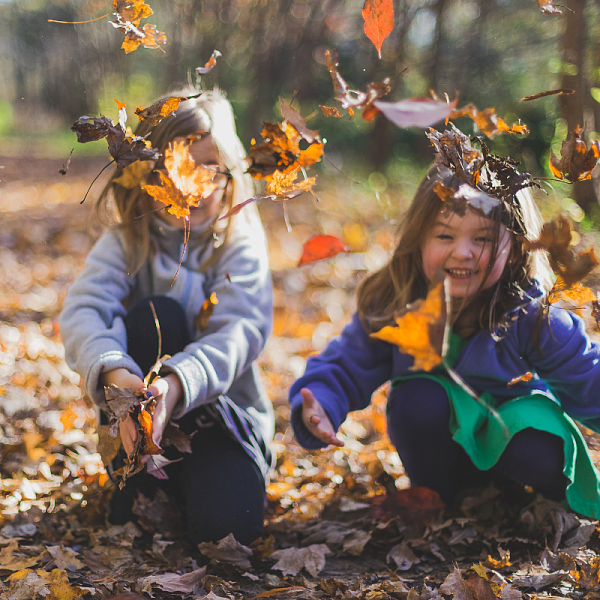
(462, 249)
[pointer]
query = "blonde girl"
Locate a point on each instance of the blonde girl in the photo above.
(210, 386)
(501, 329)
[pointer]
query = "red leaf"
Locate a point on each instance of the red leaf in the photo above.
(319, 247)
(379, 21)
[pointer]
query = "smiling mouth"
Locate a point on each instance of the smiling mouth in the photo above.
(460, 273)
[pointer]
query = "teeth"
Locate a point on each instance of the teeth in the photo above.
(460, 272)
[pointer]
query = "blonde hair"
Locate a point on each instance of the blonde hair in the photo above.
(385, 293)
(122, 208)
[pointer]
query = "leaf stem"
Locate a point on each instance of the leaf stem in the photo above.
(91, 184)
(78, 22)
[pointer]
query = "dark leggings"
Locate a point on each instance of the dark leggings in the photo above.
(418, 414)
(219, 488)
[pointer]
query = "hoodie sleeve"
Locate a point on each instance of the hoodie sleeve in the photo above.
(568, 362)
(91, 322)
(238, 328)
(342, 378)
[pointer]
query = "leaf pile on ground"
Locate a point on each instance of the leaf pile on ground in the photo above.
(341, 523)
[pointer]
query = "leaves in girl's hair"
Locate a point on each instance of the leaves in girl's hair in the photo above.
(416, 112)
(292, 116)
(488, 121)
(185, 184)
(354, 99)
(457, 200)
(547, 93)
(330, 111)
(210, 65)
(319, 247)
(555, 238)
(280, 152)
(205, 313)
(155, 113)
(525, 377)
(548, 8)
(420, 330)
(576, 293)
(379, 21)
(576, 161)
(129, 14)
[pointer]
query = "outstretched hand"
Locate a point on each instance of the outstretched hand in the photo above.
(316, 420)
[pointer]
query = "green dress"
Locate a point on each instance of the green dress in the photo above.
(484, 439)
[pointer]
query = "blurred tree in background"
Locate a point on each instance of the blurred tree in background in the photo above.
(489, 52)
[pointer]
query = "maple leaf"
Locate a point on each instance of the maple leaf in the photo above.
(205, 313)
(416, 112)
(576, 161)
(148, 36)
(488, 121)
(419, 330)
(576, 293)
(353, 99)
(378, 16)
(319, 247)
(555, 238)
(129, 14)
(184, 185)
(548, 8)
(210, 65)
(283, 186)
(547, 93)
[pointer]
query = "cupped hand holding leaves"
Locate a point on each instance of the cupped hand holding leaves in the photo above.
(316, 420)
(167, 391)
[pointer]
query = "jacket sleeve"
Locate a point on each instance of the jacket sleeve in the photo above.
(91, 322)
(342, 378)
(568, 362)
(238, 328)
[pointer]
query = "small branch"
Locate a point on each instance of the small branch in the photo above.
(91, 184)
(79, 22)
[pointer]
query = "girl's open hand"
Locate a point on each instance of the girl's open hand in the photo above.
(167, 391)
(125, 379)
(316, 420)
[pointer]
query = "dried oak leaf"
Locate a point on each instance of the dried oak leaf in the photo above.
(488, 121)
(185, 184)
(291, 561)
(354, 99)
(416, 112)
(378, 16)
(548, 8)
(155, 113)
(576, 161)
(419, 330)
(555, 238)
(210, 65)
(319, 247)
(206, 312)
(128, 16)
(576, 293)
(119, 402)
(330, 111)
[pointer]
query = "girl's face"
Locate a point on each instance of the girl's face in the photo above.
(460, 249)
(204, 152)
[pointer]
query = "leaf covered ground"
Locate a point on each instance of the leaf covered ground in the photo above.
(340, 523)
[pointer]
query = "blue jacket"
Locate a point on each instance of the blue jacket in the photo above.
(567, 369)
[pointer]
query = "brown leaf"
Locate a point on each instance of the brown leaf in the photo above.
(227, 550)
(129, 15)
(525, 377)
(488, 121)
(547, 93)
(173, 436)
(205, 313)
(108, 446)
(155, 113)
(319, 247)
(379, 21)
(292, 560)
(330, 111)
(457, 587)
(119, 402)
(576, 161)
(148, 36)
(291, 115)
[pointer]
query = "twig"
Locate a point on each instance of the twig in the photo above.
(91, 184)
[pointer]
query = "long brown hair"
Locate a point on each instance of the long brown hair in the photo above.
(121, 206)
(385, 293)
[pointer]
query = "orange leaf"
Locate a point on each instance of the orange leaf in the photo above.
(155, 113)
(330, 111)
(525, 377)
(548, 8)
(206, 311)
(210, 65)
(145, 423)
(488, 121)
(379, 21)
(419, 329)
(576, 293)
(576, 161)
(320, 247)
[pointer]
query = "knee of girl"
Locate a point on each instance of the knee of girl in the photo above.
(419, 403)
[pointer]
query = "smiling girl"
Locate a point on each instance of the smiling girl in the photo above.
(501, 329)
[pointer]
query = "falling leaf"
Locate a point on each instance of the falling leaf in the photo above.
(525, 377)
(416, 112)
(135, 175)
(419, 331)
(184, 185)
(379, 21)
(548, 8)
(205, 313)
(65, 166)
(353, 99)
(291, 561)
(555, 238)
(576, 161)
(283, 186)
(291, 115)
(547, 93)
(319, 247)
(488, 121)
(128, 17)
(576, 293)
(210, 65)
(155, 113)
(330, 111)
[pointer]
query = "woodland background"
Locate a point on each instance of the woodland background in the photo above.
(349, 535)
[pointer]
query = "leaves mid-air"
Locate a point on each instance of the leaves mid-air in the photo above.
(379, 21)
(319, 247)
(576, 161)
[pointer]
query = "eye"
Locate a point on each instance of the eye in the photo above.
(484, 239)
(443, 236)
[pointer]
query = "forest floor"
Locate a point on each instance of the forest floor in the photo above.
(341, 523)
